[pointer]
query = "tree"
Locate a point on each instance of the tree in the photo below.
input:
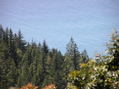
(35, 66)
(1, 33)
(73, 54)
(44, 53)
(113, 48)
(8, 73)
(56, 69)
(19, 42)
(84, 56)
(93, 75)
(71, 59)
(24, 72)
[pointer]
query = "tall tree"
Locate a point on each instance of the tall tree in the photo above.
(24, 73)
(73, 53)
(1, 33)
(71, 60)
(44, 57)
(113, 48)
(20, 42)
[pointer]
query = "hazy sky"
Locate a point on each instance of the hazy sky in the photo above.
(89, 22)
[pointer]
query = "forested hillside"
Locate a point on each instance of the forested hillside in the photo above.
(22, 62)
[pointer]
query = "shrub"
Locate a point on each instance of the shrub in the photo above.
(29, 86)
(51, 86)
(93, 76)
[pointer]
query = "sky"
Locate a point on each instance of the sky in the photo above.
(89, 22)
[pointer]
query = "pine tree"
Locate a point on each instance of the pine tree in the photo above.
(44, 57)
(71, 60)
(20, 42)
(1, 33)
(73, 54)
(24, 73)
(58, 69)
(8, 74)
(113, 48)
(84, 56)
(35, 66)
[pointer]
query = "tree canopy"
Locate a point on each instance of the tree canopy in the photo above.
(23, 63)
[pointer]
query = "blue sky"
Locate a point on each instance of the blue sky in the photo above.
(89, 22)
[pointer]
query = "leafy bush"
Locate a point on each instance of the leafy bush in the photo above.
(93, 75)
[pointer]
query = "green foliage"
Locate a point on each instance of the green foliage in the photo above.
(73, 54)
(100, 74)
(22, 62)
(94, 75)
(113, 48)
(84, 57)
